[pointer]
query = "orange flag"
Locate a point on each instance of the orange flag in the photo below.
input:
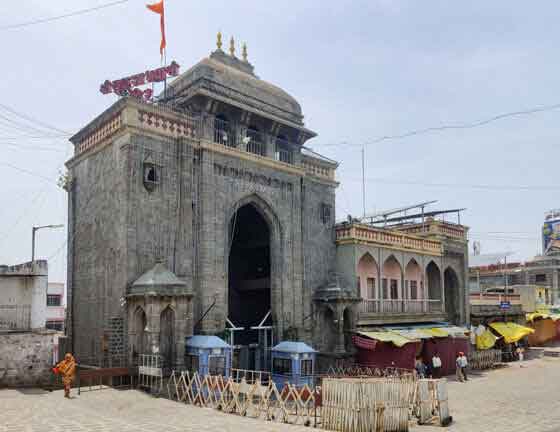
(158, 8)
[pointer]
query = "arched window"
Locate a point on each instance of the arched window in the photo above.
(391, 279)
(367, 277)
(413, 288)
(151, 174)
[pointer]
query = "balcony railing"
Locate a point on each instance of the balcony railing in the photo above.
(256, 142)
(400, 306)
(494, 299)
(283, 151)
(15, 317)
(223, 133)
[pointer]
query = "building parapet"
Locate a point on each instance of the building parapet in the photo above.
(366, 234)
(436, 228)
(214, 134)
(493, 299)
(31, 268)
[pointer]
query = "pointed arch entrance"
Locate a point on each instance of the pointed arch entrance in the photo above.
(139, 344)
(167, 337)
(250, 282)
(451, 290)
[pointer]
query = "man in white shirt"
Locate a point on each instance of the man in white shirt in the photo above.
(464, 364)
(436, 366)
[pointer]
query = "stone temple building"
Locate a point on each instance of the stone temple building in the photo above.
(197, 214)
(204, 213)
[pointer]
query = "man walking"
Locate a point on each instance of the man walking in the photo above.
(464, 364)
(458, 368)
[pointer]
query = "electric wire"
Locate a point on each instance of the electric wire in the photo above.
(497, 187)
(458, 126)
(33, 120)
(59, 17)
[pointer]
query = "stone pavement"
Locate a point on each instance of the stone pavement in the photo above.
(513, 399)
(520, 398)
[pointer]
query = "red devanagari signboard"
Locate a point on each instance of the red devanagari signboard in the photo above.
(129, 86)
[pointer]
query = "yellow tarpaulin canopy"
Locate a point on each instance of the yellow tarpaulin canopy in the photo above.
(436, 332)
(536, 315)
(511, 332)
(388, 336)
(486, 340)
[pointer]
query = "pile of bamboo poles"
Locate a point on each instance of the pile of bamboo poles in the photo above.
(290, 404)
(367, 404)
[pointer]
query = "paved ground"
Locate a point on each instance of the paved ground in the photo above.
(522, 397)
(510, 400)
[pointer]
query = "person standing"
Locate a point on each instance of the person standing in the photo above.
(464, 364)
(420, 368)
(458, 368)
(436, 366)
(67, 368)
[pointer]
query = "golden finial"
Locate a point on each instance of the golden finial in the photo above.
(219, 40)
(232, 47)
(244, 51)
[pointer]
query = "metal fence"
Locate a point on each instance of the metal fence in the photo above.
(396, 306)
(15, 317)
(486, 359)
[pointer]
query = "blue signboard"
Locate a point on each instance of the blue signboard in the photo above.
(551, 229)
(505, 305)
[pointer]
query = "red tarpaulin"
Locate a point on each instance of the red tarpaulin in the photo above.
(364, 343)
(388, 355)
(447, 348)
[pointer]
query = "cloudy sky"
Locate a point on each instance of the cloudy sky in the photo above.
(360, 69)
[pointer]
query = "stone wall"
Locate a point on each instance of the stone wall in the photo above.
(25, 286)
(97, 252)
(26, 358)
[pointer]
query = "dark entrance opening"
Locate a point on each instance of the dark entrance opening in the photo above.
(249, 280)
(451, 286)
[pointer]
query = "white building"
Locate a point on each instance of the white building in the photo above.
(55, 306)
(23, 296)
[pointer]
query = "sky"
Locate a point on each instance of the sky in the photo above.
(360, 70)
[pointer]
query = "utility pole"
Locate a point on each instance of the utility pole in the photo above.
(363, 182)
(33, 231)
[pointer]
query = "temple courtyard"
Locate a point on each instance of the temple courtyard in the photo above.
(521, 397)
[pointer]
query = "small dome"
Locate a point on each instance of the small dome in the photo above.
(229, 77)
(159, 281)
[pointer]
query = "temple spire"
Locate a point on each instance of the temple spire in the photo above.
(219, 40)
(244, 52)
(232, 47)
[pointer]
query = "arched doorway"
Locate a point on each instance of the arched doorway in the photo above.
(391, 289)
(329, 330)
(367, 277)
(433, 276)
(413, 287)
(249, 281)
(451, 287)
(347, 328)
(167, 337)
(140, 342)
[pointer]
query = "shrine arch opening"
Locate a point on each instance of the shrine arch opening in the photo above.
(249, 273)
(451, 290)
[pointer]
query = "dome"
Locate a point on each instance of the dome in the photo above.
(223, 76)
(159, 281)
